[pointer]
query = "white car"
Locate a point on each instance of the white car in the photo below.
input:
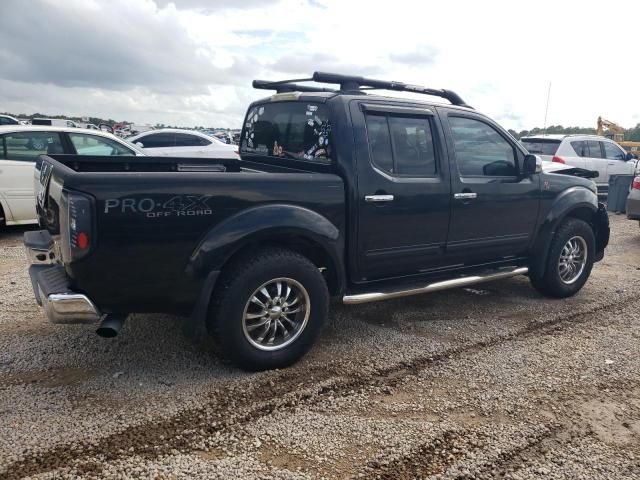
(173, 142)
(591, 152)
(9, 120)
(19, 147)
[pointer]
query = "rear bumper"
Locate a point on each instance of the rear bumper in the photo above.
(633, 206)
(51, 284)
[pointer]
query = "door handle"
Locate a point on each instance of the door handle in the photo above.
(465, 195)
(378, 198)
(612, 163)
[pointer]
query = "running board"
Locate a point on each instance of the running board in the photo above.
(431, 287)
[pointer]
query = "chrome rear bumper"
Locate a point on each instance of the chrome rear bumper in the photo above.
(69, 308)
(51, 284)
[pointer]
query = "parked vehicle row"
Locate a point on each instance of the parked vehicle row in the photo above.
(182, 143)
(25, 143)
(19, 147)
(338, 193)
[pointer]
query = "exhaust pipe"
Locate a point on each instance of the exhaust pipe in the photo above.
(111, 325)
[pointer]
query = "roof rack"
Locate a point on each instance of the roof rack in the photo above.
(287, 86)
(350, 83)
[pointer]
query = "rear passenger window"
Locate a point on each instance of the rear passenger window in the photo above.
(401, 145)
(95, 145)
(157, 140)
(380, 142)
(481, 150)
(594, 149)
(580, 148)
(186, 140)
(26, 146)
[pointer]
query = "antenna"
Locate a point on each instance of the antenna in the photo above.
(546, 110)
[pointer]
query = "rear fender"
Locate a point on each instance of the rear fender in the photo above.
(268, 223)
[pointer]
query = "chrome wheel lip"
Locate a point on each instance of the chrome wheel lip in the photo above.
(272, 311)
(572, 260)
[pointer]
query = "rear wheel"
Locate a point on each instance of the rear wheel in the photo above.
(268, 309)
(570, 260)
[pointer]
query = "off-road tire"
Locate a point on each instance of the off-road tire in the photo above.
(233, 292)
(550, 283)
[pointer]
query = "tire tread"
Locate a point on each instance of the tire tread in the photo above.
(234, 278)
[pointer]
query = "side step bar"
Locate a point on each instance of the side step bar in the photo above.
(432, 287)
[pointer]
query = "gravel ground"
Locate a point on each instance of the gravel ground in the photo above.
(486, 382)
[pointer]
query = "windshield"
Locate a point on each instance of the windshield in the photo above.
(541, 146)
(298, 130)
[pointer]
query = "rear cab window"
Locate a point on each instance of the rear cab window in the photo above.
(541, 146)
(294, 130)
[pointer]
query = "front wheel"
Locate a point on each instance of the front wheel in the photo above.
(570, 260)
(268, 309)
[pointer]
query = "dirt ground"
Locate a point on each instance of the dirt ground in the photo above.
(493, 381)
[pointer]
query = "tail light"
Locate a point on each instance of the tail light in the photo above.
(237, 152)
(636, 183)
(79, 233)
(558, 159)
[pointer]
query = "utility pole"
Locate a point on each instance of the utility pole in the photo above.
(546, 111)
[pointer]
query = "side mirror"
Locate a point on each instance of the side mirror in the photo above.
(140, 144)
(629, 156)
(532, 164)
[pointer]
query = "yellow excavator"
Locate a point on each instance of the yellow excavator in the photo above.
(616, 133)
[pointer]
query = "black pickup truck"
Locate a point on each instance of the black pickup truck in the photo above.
(338, 193)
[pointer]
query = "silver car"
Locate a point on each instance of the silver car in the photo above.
(591, 152)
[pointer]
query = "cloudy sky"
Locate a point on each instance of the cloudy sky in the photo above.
(191, 62)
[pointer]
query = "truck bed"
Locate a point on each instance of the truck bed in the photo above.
(157, 211)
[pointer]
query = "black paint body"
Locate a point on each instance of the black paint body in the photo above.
(159, 262)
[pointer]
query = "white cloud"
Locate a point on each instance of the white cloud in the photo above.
(191, 62)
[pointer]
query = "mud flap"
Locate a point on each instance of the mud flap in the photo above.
(602, 231)
(194, 326)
